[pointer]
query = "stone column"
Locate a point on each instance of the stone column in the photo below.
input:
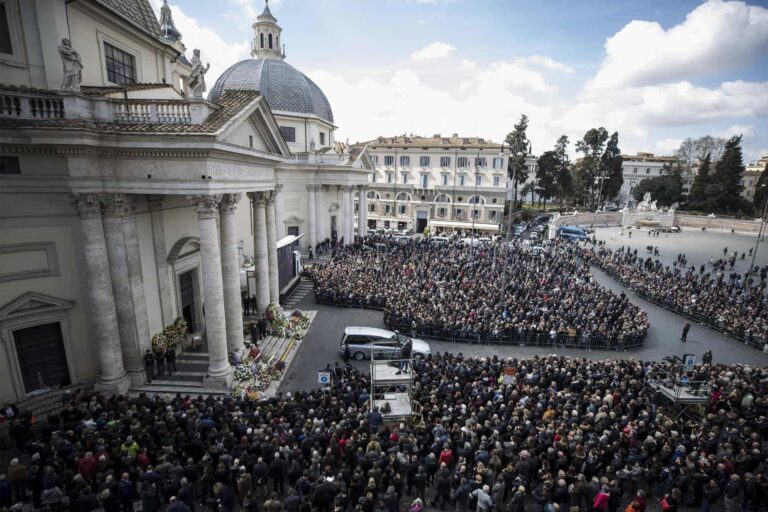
(230, 267)
(261, 262)
(349, 236)
(361, 212)
(343, 215)
(219, 372)
(122, 243)
(311, 215)
(161, 258)
(113, 378)
(274, 279)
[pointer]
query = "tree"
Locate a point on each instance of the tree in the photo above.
(698, 196)
(519, 145)
(726, 184)
(761, 191)
(563, 177)
(666, 190)
(546, 174)
(591, 146)
(611, 170)
(692, 151)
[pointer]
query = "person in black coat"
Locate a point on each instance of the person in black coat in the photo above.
(177, 505)
(187, 494)
(442, 490)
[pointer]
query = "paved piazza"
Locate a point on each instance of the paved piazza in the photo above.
(322, 343)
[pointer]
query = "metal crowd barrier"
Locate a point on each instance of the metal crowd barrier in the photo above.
(671, 306)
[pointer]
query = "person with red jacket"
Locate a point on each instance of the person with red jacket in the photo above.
(446, 456)
(87, 466)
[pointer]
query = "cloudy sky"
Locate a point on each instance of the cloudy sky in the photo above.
(656, 71)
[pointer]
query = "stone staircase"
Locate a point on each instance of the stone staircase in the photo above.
(192, 366)
(304, 287)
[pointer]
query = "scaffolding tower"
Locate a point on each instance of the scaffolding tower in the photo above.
(391, 387)
(687, 398)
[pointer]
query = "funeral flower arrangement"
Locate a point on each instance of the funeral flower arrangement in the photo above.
(256, 371)
(172, 336)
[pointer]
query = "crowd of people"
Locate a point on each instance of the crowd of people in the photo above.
(486, 293)
(554, 434)
(732, 302)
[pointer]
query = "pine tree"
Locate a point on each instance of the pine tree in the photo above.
(701, 184)
(611, 170)
(726, 180)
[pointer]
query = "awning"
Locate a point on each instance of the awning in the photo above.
(288, 240)
(463, 225)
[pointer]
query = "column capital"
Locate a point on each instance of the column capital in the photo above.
(345, 188)
(312, 187)
(228, 203)
(117, 205)
(278, 188)
(88, 206)
(205, 206)
(155, 201)
(258, 198)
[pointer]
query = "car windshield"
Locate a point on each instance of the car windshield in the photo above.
(399, 338)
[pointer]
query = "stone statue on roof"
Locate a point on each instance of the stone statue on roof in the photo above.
(196, 80)
(73, 67)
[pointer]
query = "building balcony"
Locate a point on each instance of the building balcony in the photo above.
(24, 103)
(323, 158)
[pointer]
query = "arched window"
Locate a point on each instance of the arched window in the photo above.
(477, 200)
(261, 39)
(443, 198)
(373, 195)
(270, 41)
(402, 196)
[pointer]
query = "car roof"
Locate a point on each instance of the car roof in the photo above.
(371, 331)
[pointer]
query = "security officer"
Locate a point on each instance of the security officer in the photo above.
(149, 365)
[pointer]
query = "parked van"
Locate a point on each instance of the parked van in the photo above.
(387, 344)
(572, 232)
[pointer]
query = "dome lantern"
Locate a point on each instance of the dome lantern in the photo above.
(266, 36)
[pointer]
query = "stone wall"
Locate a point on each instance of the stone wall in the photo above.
(587, 219)
(716, 224)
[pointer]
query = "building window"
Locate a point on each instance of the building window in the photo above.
(5, 31)
(403, 177)
(405, 161)
(389, 160)
(476, 214)
(289, 133)
(387, 210)
(461, 181)
(373, 177)
(372, 208)
(478, 180)
(121, 66)
(459, 213)
(424, 161)
(492, 215)
(270, 41)
(389, 177)
(322, 139)
(293, 230)
(375, 160)
(424, 180)
(443, 179)
(481, 162)
(496, 181)
(445, 161)
(250, 141)
(647, 171)
(498, 163)
(261, 39)
(9, 165)
(634, 171)
(402, 209)
(462, 162)
(442, 212)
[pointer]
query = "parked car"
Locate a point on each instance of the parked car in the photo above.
(669, 229)
(386, 344)
(439, 240)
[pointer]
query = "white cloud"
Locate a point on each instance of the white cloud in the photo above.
(468, 64)
(547, 63)
(714, 37)
(747, 130)
(213, 48)
(436, 50)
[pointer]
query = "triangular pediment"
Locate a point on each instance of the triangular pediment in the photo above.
(293, 220)
(33, 302)
(256, 120)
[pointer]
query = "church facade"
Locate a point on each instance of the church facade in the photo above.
(128, 199)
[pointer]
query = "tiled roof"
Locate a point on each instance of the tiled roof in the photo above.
(435, 141)
(229, 106)
(138, 12)
(284, 87)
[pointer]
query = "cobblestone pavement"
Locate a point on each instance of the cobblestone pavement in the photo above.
(321, 345)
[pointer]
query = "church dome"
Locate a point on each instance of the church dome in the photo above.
(285, 87)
